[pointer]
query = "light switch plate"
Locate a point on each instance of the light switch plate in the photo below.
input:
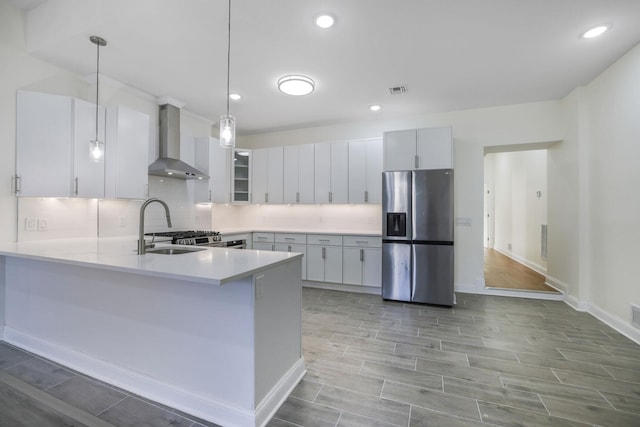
(30, 224)
(43, 224)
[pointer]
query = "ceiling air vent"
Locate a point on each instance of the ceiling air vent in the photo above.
(397, 90)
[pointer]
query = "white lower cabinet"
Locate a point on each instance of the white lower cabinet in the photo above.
(362, 261)
(324, 258)
(290, 242)
(263, 241)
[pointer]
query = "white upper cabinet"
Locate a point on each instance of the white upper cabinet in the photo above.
(241, 179)
(52, 150)
(331, 172)
(429, 148)
(298, 173)
(215, 161)
(267, 175)
(127, 154)
(365, 171)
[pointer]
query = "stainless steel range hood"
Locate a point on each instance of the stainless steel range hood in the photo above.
(169, 164)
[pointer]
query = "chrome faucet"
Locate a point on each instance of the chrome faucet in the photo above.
(142, 247)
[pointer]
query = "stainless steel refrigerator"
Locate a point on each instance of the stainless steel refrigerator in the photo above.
(417, 233)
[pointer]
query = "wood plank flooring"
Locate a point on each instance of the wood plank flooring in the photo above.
(487, 361)
(502, 272)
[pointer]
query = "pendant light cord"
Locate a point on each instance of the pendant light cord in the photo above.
(97, 85)
(228, 54)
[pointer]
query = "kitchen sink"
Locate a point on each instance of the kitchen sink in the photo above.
(174, 251)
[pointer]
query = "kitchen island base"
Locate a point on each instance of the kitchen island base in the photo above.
(229, 354)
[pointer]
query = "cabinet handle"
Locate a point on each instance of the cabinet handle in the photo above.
(330, 197)
(324, 240)
(18, 184)
(266, 197)
(75, 188)
(417, 160)
(297, 197)
(361, 255)
(291, 239)
(366, 196)
(289, 248)
(364, 242)
(146, 189)
(324, 253)
(209, 195)
(273, 247)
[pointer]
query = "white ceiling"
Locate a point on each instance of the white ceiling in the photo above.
(450, 54)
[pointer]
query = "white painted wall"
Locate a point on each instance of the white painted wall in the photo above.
(516, 177)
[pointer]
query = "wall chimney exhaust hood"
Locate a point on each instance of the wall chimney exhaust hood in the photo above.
(169, 164)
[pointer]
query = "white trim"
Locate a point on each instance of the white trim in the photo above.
(620, 325)
(556, 284)
(373, 290)
(576, 304)
(157, 391)
(279, 393)
(550, 296)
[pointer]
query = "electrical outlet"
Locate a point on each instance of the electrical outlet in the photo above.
(122, 221)
(43, 224)
(30, 224)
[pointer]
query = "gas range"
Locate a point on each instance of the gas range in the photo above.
(191, 237)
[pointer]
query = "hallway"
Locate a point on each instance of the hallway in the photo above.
(502, 272)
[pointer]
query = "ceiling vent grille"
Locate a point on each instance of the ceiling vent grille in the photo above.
(397, 90)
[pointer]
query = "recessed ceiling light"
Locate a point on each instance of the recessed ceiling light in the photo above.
(235, 96)
(296, 85)
(375, 108)
(595, 32)
(325, 21)
(243, 153)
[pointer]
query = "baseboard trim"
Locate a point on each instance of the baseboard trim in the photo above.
(550, 296)
(165, 394)
(620, 325)
(342, 287)
(556, 284)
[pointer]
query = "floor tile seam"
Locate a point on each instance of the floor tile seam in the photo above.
(449, 414)
(341, 410)
(631, 383)
(52, 402)
(568, 369)
(608, 401)
(602, 364)
(344, 411)
(286, 421)
(568, 401)
(112, 405)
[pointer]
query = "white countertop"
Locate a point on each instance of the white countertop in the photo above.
(215, 266)
(342, 232)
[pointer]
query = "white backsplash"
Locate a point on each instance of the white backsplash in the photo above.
(56, 218)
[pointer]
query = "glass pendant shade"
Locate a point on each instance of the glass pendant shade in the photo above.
(227, 131)
(96, 150)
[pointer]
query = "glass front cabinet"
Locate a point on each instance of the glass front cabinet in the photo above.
(241, 176)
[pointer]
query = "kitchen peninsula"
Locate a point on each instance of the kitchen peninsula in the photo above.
(215, 333)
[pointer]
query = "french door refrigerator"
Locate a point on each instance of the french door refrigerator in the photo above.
(417, 233)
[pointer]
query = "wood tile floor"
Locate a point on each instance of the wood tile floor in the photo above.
(487, 361)
(502, 272)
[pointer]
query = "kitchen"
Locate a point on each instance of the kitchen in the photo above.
(579, 174)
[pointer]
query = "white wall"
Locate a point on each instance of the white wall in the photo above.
(516, 178)
(472, 131)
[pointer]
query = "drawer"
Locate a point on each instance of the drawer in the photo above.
(362, 241)
(324, 239)
(289, 238)
(263, 237)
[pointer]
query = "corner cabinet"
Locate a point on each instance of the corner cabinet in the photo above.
(53, 133)
(241, 176)
(215, 161)
(428, 148)
(126, 154)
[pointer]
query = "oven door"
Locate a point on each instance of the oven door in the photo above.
(236, 244)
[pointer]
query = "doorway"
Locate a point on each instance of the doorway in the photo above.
(515, 218)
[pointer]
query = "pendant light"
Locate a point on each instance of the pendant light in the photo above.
(96, 147)
(228, 122)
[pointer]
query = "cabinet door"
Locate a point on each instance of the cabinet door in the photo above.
(315, 263)
(322, 172)
(357, 171)
(352, 266)
(372, 267)
(259, 189)
(127, 149)
(219, 172)
(241, 179)
(306, 173)
(262, 246)
(374, 171)
(88, 174)
(339, 172)
(291, 166)
(333, 264)
(43, 144)
(400, 150)
(435, 148)
(275, 175)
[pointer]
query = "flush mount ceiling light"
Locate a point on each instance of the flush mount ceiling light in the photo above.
(595, 32)
(325, 21)
(375, 108)
(296, 85)
(96, 147)
(228, 122)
